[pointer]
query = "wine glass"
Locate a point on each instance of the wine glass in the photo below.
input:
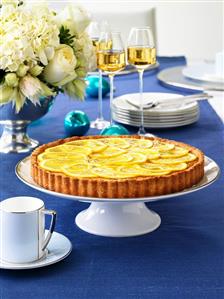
(111, 59)
(94, 31)
(141, 54)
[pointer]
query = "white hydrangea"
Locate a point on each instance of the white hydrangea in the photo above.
(84, 50)
(26, 36)
(39, 54)
(89, 52)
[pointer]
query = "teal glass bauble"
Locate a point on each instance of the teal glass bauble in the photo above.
(76, 123)
(93, 86)
(115, 130)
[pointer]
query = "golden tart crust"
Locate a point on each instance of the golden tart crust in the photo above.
(118, 188)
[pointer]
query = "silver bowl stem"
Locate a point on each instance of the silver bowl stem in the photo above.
(14, 138)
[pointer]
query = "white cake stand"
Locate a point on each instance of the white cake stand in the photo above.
(118, 217)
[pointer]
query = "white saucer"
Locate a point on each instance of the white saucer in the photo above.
(58, 249)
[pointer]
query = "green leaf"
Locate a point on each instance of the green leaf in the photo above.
(67, 79)
(2, 76)
(80, 86)
(46, 91)
(19, 100)
(65, 36)
(6, 94)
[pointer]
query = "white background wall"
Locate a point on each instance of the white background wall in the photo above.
(194, 29)
(191, 28)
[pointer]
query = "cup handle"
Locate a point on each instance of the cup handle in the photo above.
(52, 213)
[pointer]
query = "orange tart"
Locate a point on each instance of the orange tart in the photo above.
(116, 167)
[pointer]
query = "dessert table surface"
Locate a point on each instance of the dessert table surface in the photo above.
(184, 258)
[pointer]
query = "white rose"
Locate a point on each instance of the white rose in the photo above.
(61, 66)
(74, 18)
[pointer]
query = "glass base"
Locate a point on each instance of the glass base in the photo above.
(147, 135)
(99, 124)
(143, 133)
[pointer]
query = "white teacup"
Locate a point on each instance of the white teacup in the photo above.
(22, 229)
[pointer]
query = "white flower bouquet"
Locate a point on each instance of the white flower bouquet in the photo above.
(42, 52)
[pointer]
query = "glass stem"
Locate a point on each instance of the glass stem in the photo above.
(100, 96)
(141, 130)
(111, 76)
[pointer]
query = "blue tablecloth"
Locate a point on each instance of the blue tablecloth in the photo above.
(183, 259)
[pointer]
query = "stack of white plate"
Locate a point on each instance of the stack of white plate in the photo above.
(125, 110)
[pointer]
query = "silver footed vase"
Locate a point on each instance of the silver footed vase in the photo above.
(14, 138)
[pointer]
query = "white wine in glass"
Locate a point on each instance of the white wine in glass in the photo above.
(141, 54)
(94, 32)
(111, 59)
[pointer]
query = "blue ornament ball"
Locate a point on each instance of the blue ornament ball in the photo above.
(93, 86)
(76, 123)
(115, 130)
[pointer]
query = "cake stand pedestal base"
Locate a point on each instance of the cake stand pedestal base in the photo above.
(118, 219)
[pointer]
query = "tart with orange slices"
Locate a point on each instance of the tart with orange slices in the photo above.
(116, 167)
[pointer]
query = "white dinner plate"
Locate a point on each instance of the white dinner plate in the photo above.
(203, 72)
(155, 118)
(58, 249)
(181, 108)
(134, 123)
